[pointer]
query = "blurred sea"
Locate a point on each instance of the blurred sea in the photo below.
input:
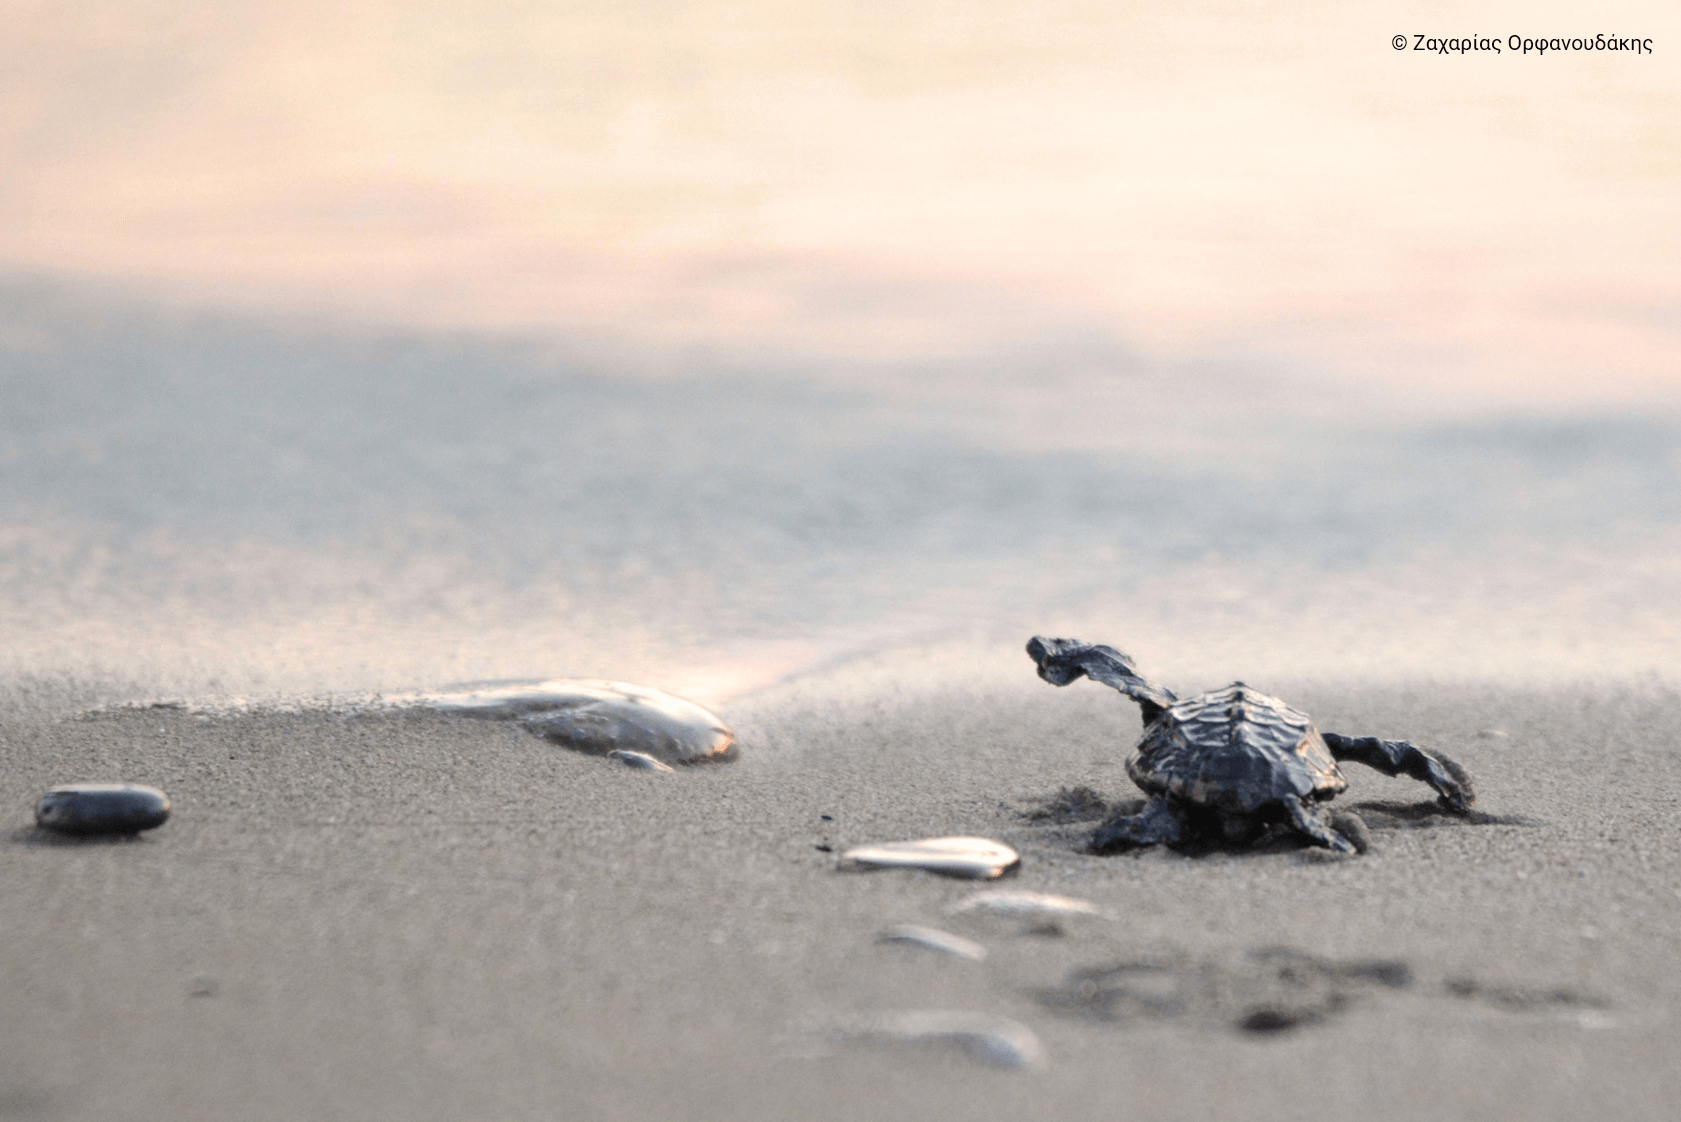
(205, 505)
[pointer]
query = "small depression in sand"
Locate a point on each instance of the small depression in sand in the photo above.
(1066, 820)
(1267, 990)
(1277, 989)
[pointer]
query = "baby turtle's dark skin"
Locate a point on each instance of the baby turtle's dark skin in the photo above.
(1234, 764)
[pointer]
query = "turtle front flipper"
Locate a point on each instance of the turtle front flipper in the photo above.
(1161, 822)
(1403, 757)
(1064, 660)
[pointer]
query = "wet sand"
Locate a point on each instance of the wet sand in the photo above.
(411, 916)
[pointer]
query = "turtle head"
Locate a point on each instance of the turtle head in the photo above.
(1056, 659)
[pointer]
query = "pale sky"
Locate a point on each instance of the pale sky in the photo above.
(879, 177)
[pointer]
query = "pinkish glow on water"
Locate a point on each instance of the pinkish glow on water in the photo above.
(380, 346)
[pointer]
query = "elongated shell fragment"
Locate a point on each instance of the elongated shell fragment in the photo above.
(639, 760)
(994, 1041)
(596, 717)
(977, 858)
(102, 808)
(934, 939)
(1030, 905)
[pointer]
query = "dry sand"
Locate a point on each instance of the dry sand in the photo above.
(403, 916)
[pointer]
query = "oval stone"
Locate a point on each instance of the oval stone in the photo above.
(102, 808)
(598, 717)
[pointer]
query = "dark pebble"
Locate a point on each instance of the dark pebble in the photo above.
(102, 808)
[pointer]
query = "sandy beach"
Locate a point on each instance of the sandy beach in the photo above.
(802, 361)
(409, 916)
(373, 914)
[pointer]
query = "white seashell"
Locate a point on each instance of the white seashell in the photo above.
(593, 716)
(638, 760)
(935, 940)
(1028, 904)
(977, 858)
(997, 1041)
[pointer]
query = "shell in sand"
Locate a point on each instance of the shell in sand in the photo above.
(935, 940)
(1030, 905)
(596, 717)
(978, 858)
(995, 1041)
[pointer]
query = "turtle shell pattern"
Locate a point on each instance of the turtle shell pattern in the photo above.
(1234, 750)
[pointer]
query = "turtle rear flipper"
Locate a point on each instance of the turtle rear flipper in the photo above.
(1318, 825)
(1159, 823)
(1352, 827)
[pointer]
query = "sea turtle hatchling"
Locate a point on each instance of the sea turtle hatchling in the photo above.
(1234, 763)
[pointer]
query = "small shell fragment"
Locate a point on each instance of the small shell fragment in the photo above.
(638, 760)
(1027, 905)
(102, 808)
(977, 858)
(935, 940)
(997, 1041)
